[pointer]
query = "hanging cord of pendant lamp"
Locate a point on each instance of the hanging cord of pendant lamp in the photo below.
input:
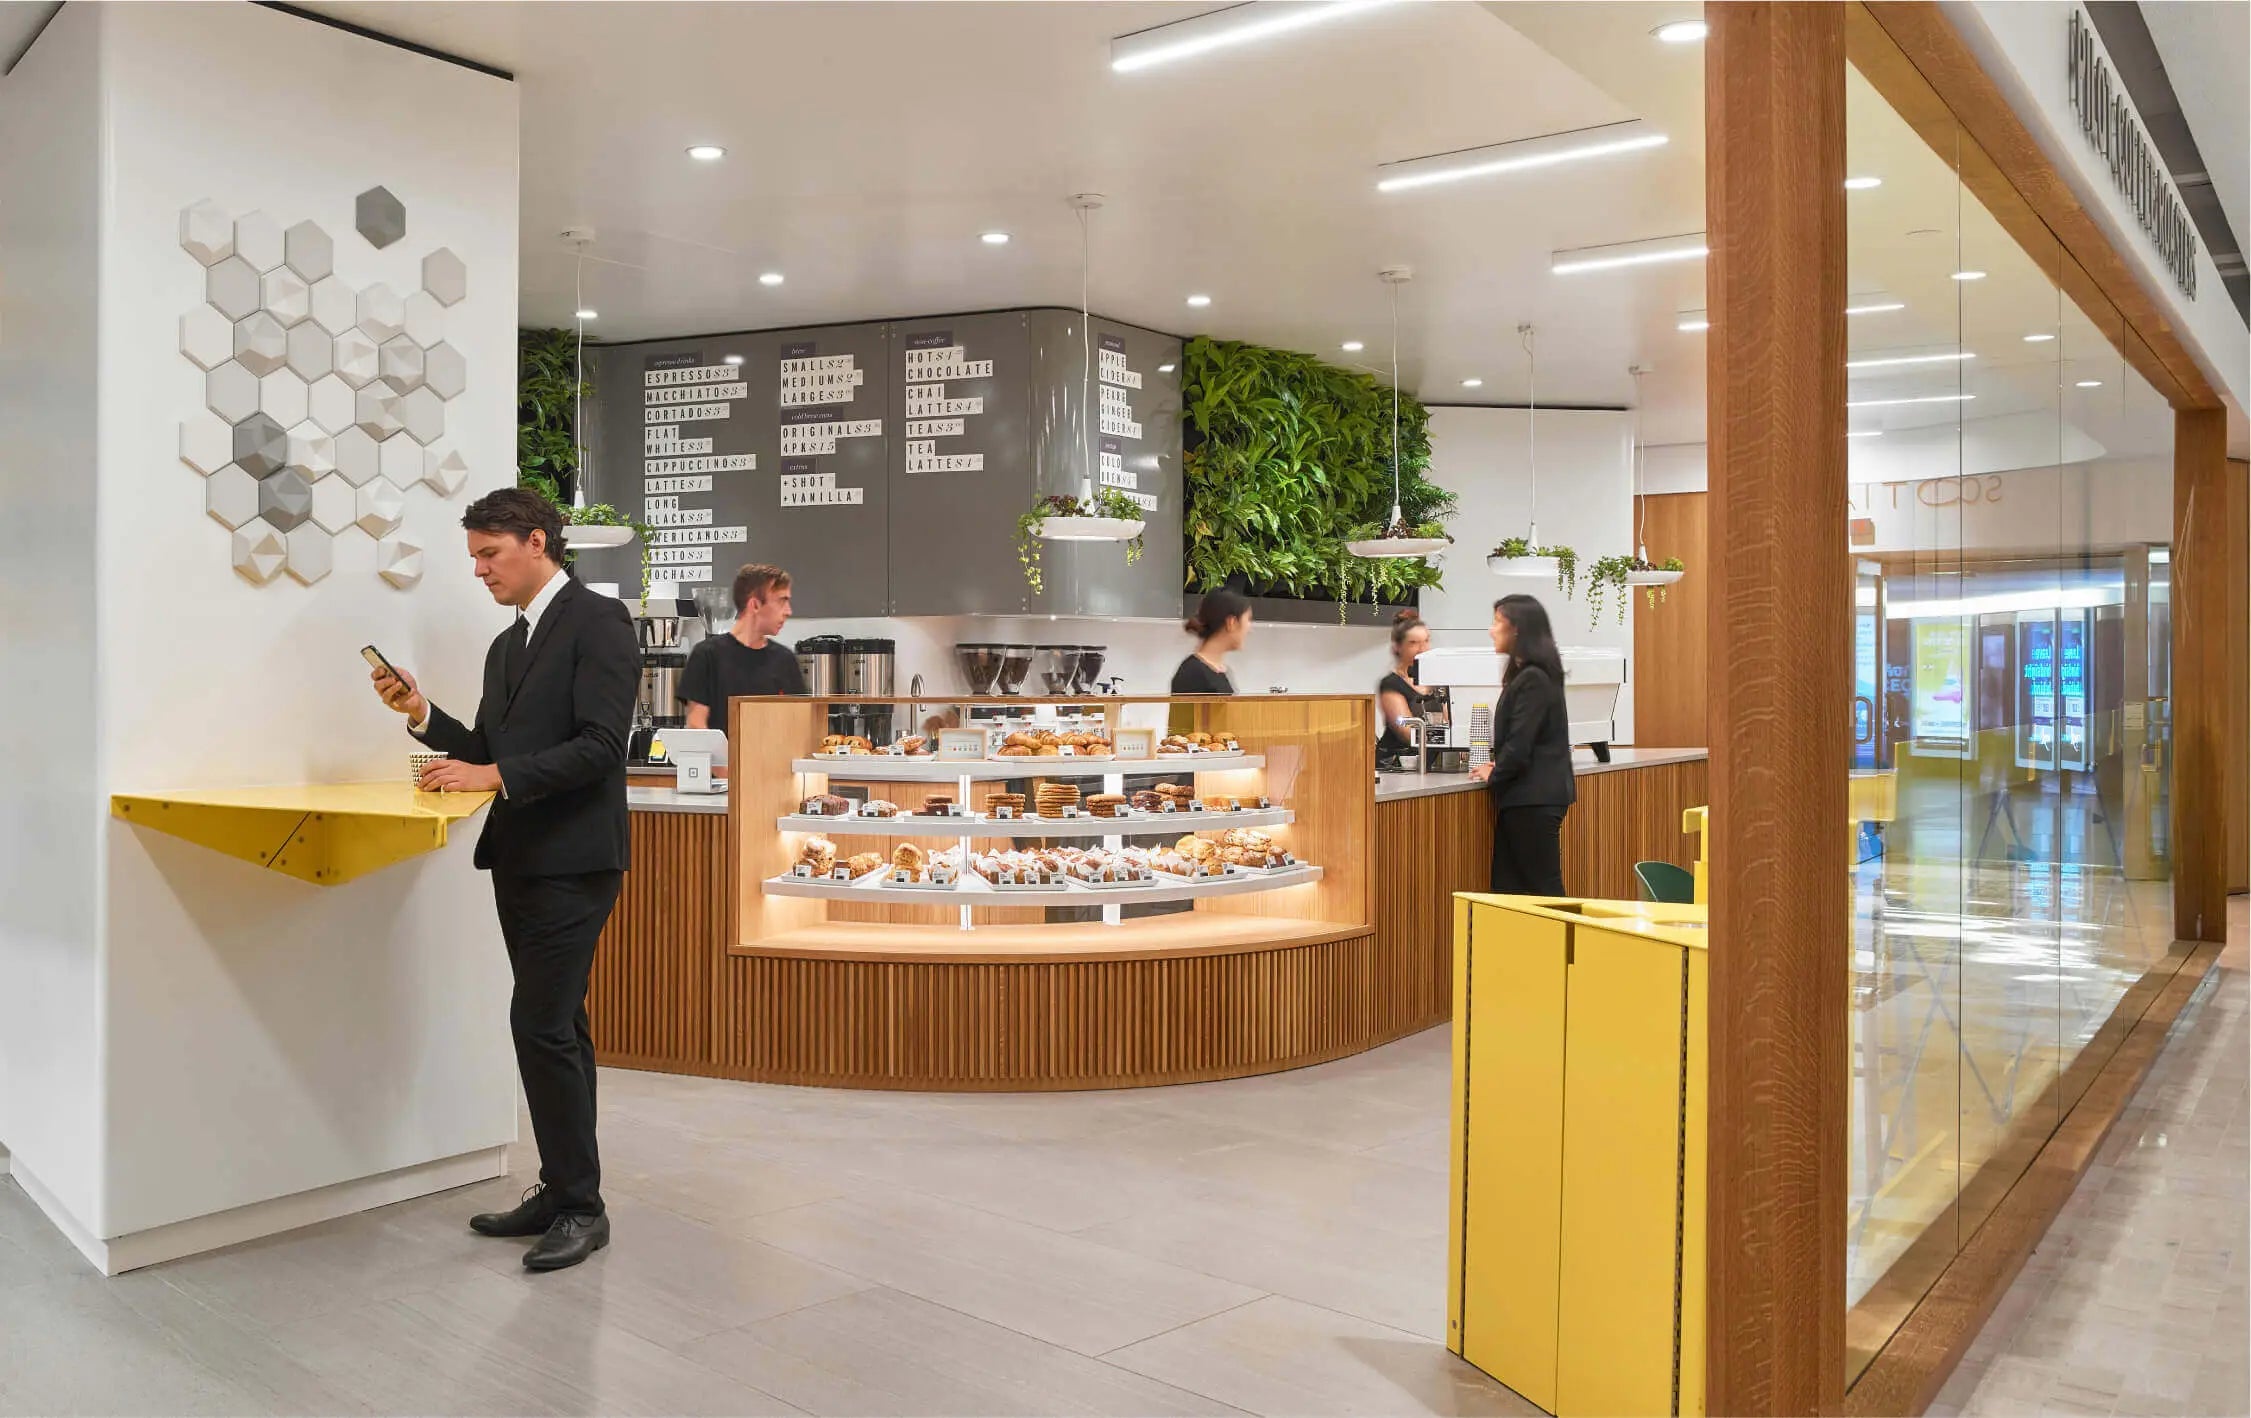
(1086, 363)
(578, 381)
(1392, 525)
(1530, 339)
(1640, 476)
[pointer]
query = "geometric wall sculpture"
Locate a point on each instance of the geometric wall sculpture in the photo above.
(398, 561)
(324, 403)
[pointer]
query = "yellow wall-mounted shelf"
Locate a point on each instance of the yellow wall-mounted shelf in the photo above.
(327, 833)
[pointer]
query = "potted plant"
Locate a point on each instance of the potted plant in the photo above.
(602, 525)
(1109, 516)
(1523, 556)
(1398, 538)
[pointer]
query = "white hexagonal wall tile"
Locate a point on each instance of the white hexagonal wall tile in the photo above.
(230, 496)
(206, 337)
(312, 351)
(312, 452)
(232, 285)
(445, 371)
(261, 343)
(425, 319)
(423, 414)
(282, 394)
(357, 358)
(444, 471)
(399, 562)
(206, 443)
(308, 251)
(335, 503)
(445, 276)
(375, 411)
(399, 361)
(382, 313)
(312, 554)
(207, 232)
(357, 457)
(261, 446)
(335, 307)
(378, 508)
(286, 500)
(328, 402)
(258, 552)
(285, 295)
(401, 461)
(257, 239)
(231, 391)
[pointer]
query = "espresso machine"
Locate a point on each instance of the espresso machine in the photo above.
(667, 629)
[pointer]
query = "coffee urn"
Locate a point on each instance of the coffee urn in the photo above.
(867, 668)
(821, 658)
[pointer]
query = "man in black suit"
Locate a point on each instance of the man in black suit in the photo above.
(549, 738)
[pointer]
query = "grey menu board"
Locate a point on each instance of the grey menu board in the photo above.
(962, 469)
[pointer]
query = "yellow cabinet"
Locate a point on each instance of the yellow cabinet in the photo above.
(1578, 1216)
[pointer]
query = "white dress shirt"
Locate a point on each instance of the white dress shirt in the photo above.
(529, 615)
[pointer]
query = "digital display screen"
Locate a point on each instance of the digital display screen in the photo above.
(1941, 677)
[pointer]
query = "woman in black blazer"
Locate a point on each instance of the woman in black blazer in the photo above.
(1530, 777)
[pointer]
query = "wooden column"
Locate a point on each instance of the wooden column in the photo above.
(2236, 736)
(2201, 711)
(1780, 618)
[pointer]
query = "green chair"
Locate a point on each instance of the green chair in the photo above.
(1662, 881)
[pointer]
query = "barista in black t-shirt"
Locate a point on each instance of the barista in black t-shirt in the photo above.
(747, 659)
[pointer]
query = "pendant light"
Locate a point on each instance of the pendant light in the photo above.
(1079, 524)
(1654, 575)
(577, 536)
(1536, 560)
(1388, 546)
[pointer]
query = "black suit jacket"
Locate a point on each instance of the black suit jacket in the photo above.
(1532, 745)
(559, 740)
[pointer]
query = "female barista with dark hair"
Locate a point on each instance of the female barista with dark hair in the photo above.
(1221, 624)
(1530, 776)
(1397, 694)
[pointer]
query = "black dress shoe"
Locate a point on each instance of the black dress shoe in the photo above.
(571, 1239)
(532, 1216)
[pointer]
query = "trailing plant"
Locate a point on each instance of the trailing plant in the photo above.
(1566, 561)
(601, 514)
(1607, 577)
(1285, 460)
(547, 398)
(1109, 502)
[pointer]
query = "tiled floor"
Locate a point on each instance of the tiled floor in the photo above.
(1271, 1245)
(2135, 1302)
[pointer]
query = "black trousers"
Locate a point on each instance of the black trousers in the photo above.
(551, 924)
(1528, 851)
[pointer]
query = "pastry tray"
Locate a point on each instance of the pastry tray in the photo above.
(973, 889)
(897, 768)
(1140, 824)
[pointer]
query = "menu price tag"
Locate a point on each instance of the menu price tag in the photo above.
(961, 745)
(1135, 743)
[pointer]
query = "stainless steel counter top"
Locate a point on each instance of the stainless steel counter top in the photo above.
(1394, 787)
(1390, 787)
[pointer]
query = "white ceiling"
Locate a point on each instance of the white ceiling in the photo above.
(869, 144)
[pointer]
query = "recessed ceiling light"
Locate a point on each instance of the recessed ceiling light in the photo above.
(1199, 301)
(1221, 29)
(770, 278)
(1546, 150)
(2038, 337)
(1889, 360)
(1164, 369)
(994, 238)
(707, 152)
(1866, 433)
(1925, 399)
(1688, 246)
(584, 315)
(1682, 32)
(1473, 383)
(1862, 184)
(1875, 307)
(2089, 384)
(1353, 347)
(1969, 275)
(1690, 324)
(734, 359)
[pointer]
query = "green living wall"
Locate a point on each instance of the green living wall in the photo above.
(1286, 459)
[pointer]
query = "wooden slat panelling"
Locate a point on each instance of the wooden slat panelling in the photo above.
(651, 995)
(1669, 647)
(2202, 569)
(1780, 614)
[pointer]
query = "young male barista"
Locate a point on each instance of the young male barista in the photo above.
(549, 737)
(747, 659)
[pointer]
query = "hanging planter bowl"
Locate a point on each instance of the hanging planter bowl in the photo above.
(1544, 567)
(1398, 547)
(1087, 529)
(1653, 578)
(580, 537)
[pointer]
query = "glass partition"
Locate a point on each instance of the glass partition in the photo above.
(2011, 502)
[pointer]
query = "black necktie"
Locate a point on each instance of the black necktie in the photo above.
(512, 654)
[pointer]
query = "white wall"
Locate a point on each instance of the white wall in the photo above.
(260, 1037)
(51, 816)
(2024, 45)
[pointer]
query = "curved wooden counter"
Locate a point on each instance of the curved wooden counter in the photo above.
(1171, 999)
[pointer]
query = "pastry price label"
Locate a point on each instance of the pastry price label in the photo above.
(1135, 743)
(960, 745)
